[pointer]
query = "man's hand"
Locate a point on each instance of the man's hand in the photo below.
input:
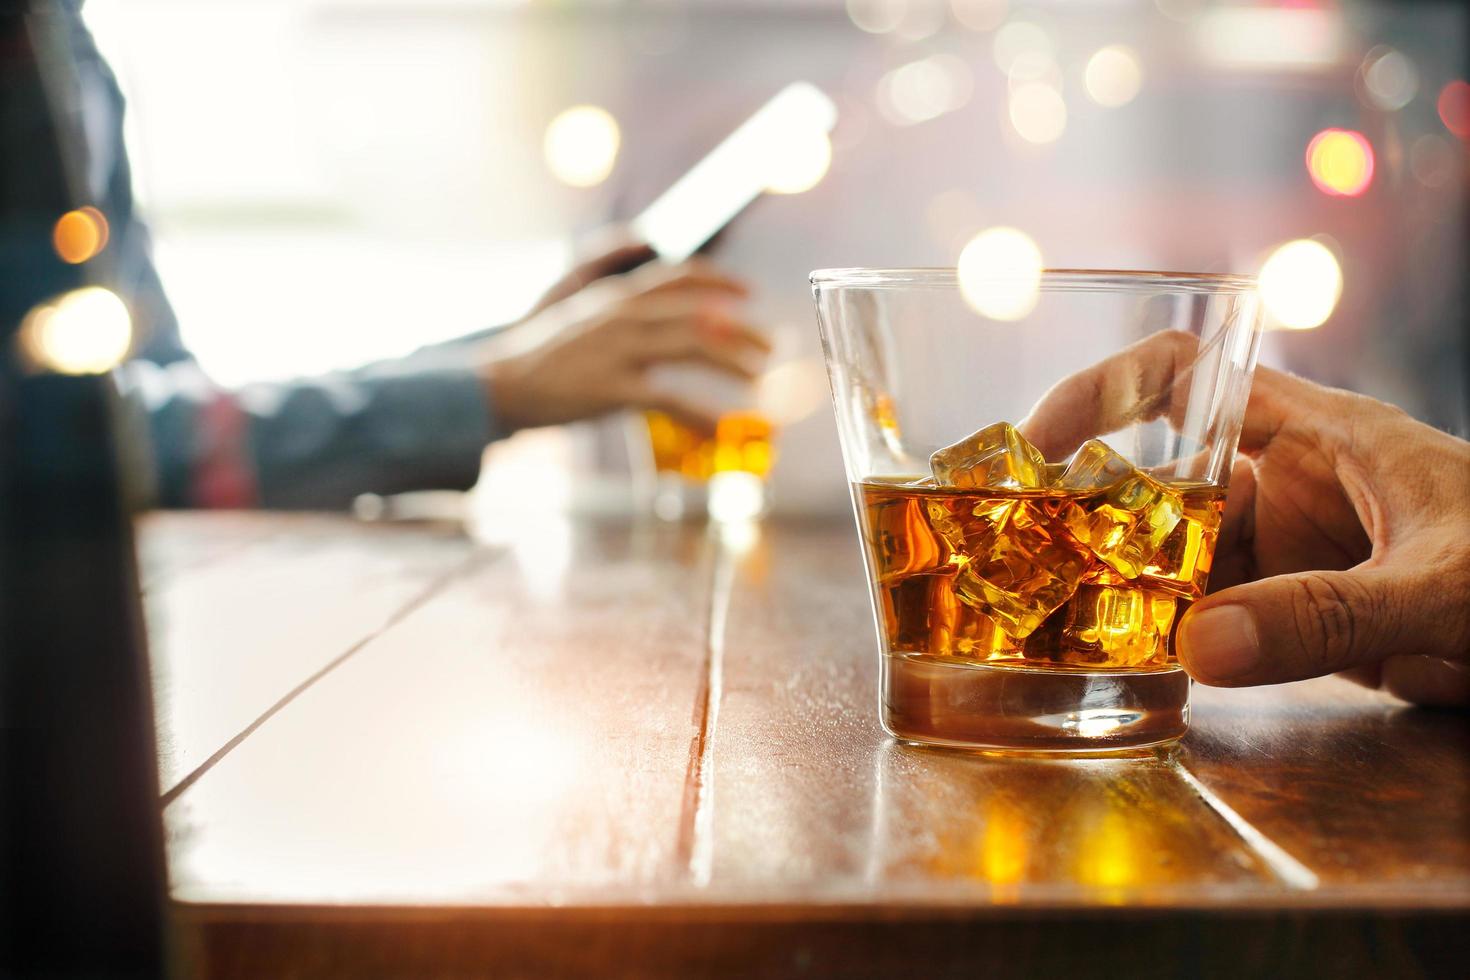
(1345, 545)
(609, 260)
(590, 354)
(1349, 531)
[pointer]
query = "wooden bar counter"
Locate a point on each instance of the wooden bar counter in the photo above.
(606, 750)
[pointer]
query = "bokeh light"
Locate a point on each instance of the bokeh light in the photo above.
(1113, 76)
(792, 391)
(979, 15)
(1454, 107)
(1432, 160)
(1340, 162)
(85, 331)
(999, 273)
(801, 161)
(1024, 42)
(921, 19)
(876, 16)
(1300, 284)
(581, 145)
(1389, 79)
(735, 496)
(925, 89)
(79, 235)
(1038, 112)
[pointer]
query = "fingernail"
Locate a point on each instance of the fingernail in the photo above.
(1220, 643)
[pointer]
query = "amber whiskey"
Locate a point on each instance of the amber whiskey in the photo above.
(1064, 579)
(741, 443)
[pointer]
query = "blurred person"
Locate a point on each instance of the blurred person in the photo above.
(1345, 544)
(415, 423)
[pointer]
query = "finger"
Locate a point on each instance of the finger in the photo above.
(691, 277)
(1427, 681)
(688, 343)
(1137, 384)
(683, 316)
(699, 419)
(717, 328)
(1275, 397)
(1368, 675)
(614, 261)
(1289, 627)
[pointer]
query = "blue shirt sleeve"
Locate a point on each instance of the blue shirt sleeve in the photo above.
(315, 442)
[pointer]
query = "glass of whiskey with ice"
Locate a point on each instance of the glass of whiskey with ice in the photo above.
(1038, 497)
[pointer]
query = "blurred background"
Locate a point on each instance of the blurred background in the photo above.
(336, 181)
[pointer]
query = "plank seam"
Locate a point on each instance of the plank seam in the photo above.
(696, 820)
(1287, 869)
(435, 586)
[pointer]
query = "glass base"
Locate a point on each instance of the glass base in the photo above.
(942, 701)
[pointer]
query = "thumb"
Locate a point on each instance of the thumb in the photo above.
(1290, 627)
(615, 261)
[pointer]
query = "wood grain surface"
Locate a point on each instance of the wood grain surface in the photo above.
(611, 750)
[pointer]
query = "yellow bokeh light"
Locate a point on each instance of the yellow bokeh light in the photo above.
(581, 145)
(800, 162)
(79, 235)
(1340, 162)
(1113, 76)
(86, 331)
(1000, 273)
(1038, 113)
(1004, 845)
(1113, 855)
(1300, 283)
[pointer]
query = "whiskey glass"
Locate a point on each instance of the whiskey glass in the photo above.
(1038, 467)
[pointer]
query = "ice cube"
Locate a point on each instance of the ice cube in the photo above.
(967, 524)
(1129, 518)
(1112, 626)
(1094, 466)
(914, 609)
(996, 456)
(1182, 563)
(1025, 570)
(958, 630)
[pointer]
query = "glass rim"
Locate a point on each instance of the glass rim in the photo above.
(1052, 280)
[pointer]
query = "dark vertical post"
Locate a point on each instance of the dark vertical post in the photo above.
(82, 889)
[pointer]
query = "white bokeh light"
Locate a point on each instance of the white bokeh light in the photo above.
(1023, 41)
(999, 273)
(1038, 112)
(924, 90)
(979, 15)
(1300, 283)
(1113, 76)
(85, 331)
(1389, 78)
(581, 145)
(876, 16)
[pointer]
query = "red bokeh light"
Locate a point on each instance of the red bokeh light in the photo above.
(1454, 107)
